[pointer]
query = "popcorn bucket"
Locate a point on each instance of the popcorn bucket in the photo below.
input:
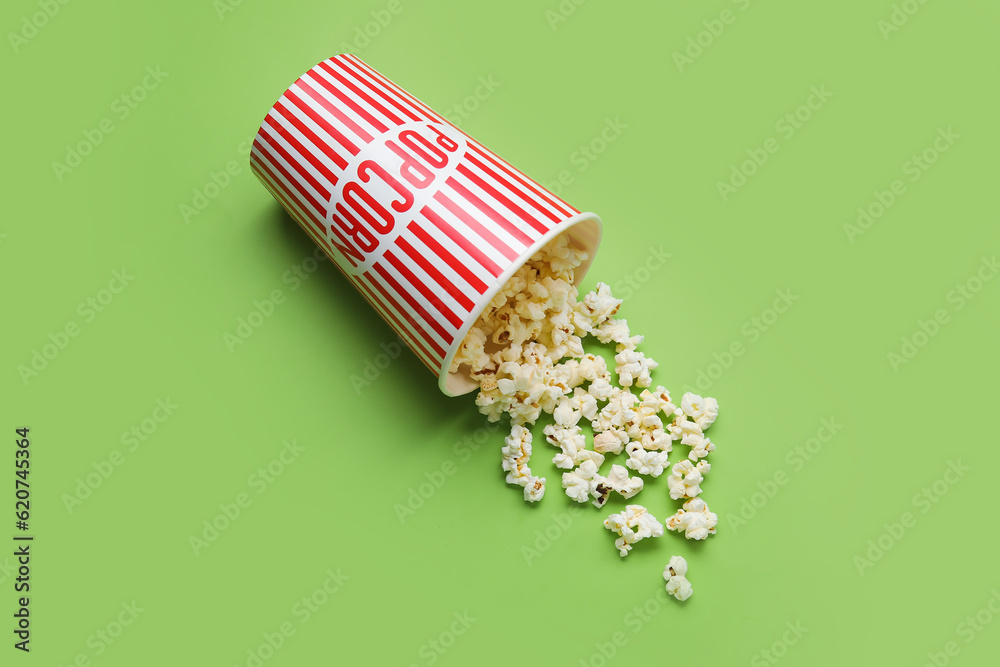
(426, 223)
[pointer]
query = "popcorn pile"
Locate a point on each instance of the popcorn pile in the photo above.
(526, 352)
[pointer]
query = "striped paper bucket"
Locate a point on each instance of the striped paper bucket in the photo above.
(426, 222)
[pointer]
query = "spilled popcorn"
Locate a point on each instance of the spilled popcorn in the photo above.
(675, 574)
(694, 519)
(632, 525)
(516, 452)
(526, 353)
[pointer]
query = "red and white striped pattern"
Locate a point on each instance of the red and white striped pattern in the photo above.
(425, 244)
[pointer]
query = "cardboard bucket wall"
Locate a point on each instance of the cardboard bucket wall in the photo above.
(426, 222)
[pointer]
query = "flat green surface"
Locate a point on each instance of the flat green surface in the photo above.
(807, 554)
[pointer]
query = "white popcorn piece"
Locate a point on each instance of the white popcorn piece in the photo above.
(617, 413)
(700, 446)
(565, 415)
(525, 376)
(564, 375)
(586, 482)
(614, 331)
(534, 489)
(646, 425)
(675, 574)
(649, 422)
(617, 522)
(488, 381)
(489, 404)
(506, 386)
(642, 422)
(710, 415)
(601, 389)
(694, 519)
(573, 446)
(516, 453)
(657, 440)
(585, 403)
(599, 305)
(644, 523)
(577, 485)
(581, 322)
(693, 405)
(548, 393)
(633, 367)
(632, 525)
(677, 567)
(702, 410)
(658, 401)
(524, 413)
(645, 462)
(568, 440)
(630, 343)
(681, 427)
(608, 442)
(684, 481)
(680, 588)
(593, 368)
(562, 257)
(626, 399)
(622, 484)
(620, 433)
(472, 351)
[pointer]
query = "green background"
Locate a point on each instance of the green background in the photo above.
(334, 507)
